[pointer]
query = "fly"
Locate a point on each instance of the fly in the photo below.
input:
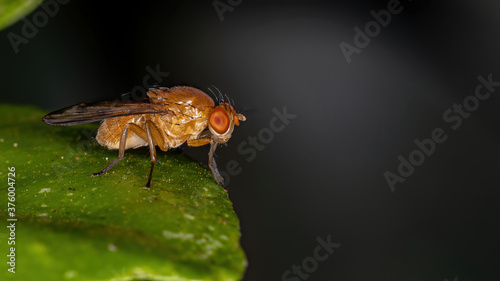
(168, 118)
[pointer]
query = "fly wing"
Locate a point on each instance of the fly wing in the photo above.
(83, 113)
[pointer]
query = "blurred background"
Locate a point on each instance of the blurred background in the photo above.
(323, 173)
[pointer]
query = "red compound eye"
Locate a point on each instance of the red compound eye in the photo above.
(219, 120)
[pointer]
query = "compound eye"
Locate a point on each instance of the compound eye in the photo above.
(219, 121)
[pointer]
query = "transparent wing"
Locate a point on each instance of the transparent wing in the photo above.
(83, 113)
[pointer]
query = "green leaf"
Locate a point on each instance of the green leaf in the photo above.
(13, 10)
(71, 226)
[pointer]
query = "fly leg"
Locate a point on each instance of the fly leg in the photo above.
(123, 141)
(203, 139)
(211, 162)
(153, 137)
(213, 165)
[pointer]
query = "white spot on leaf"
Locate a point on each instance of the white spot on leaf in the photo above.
(112, 247)
(179, 235)
(188, 216)
(70, 274)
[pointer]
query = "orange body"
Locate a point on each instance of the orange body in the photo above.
(189, 109)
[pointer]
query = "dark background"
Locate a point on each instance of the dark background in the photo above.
(324, 173)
